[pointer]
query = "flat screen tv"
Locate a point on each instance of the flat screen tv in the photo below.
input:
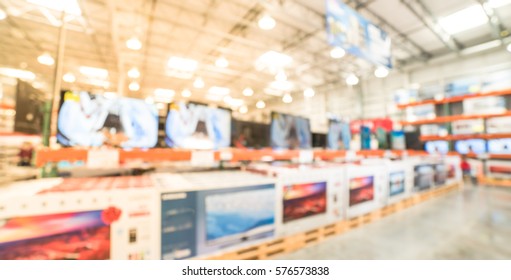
(396, 183)
(290, 132)
(435, 147)
(250, 134)
(87, 120)
(476, 146)
(29, 109)
(235, 216)
(499, 146)
(361, 190)
(303, 200)
(339, 135)
(63, 236)
(424, 176)
(197, 126)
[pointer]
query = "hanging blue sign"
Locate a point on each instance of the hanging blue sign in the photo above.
(349, 30)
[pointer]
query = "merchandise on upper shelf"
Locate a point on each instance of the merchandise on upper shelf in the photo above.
(422, 112)
(437, 147)
(484, 105)
(461, 127)
(498, 125)
(497, 81)
(499, 146)
(463, 86)
(470, 146)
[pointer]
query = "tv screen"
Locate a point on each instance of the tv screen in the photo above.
(499, 146)
(424, 176)
(441, 174)
(361, 190)
(304, 200)
(396, 183)
(250, 134)
(233, 216)
(476, 146)
(398, 140)
(339, 135)
(63, 236)
(290, 132)
(197, 126)
(85, 119)
(434, 147)
(29, 109)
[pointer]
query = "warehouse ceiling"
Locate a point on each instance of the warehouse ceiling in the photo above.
(224, 44)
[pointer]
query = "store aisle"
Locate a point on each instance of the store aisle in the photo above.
(471, 224)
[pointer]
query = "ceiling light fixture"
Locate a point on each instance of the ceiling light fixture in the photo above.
(243, 109)
(69, 78)
(3, 14)
(164, 95)
(337, 52)
(134, 73)
(149, 100)
(248, 92)
(465, 19)
(222, 62)
(381, 72)
(352, 80)
(287, 98)
(134, 43)
(186, 93)
(93, 72)
(134, 86)
(69, 6)
(219, 91)
(309, 92)
(272, 60)
(260, 104)
(181, 67)
(46, 59)
(198, 83)
(281, 76)
(17, 73)
(266, 22)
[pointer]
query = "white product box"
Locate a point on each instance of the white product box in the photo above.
(498, 169)
(454, 173)
(400, 180)
(364, 188)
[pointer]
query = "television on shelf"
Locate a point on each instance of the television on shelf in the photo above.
(397, 140)
(197, 126)
(250, 134)
(290, 132)
(90, 120)
(339, 135)
(396, 183)
(475, 146)
(304, 200)
(361, 190)
(499, 146)
(437, 147)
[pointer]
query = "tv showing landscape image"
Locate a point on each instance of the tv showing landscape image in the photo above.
(396, 183)
(65, 236)
(239, 215)
(361, 190)
(303, 200)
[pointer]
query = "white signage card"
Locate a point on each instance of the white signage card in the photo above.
(108, 158)
(203, 158)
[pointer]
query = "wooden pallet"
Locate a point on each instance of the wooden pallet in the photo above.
(498, 182)
(301, 240)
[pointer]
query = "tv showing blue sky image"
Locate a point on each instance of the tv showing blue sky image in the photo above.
(290, 132)
(476, 146)
(435, 147)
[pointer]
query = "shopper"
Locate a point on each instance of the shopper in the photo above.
(25, 154)
(467, 171)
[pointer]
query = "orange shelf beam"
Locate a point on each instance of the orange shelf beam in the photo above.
(466, 136)
(455, 98)
(446, 119)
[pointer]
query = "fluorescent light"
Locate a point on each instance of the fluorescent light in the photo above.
(164, 94)
(69, 6)
(337, 52)
(134, 43)
(381, 72)
(309, 92)
(248, 92)
(243, 109)
(213, 97)
(186, 93)
(222, 62)
(94, 72)
(266, 22)
(233, 102)
(3, 14)
(352, 80)
(134, 86)
(260, 104)
(281, 85)
(219, 91)
(98, 82)
(273, 60)
(69, 78)
(134, 73)
(463, 20)
(498, 3)
(509, 47)
(281, 76)
(182, 64)
(37, 85)
(198, 83)
(17, 73)
(46, 59)
(287, 98)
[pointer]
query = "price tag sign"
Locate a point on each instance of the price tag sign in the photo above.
(203, 158)
(351, 155)
(306, 156)
(103, 158)
(225, 156)
(388, 154)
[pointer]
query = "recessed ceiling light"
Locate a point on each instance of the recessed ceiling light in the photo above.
(273, 60)
(134, 43)
(69, 6)
(182, 64)
(186, 93)
(352, 80)
(248, 92)
(198, 83)
(309, 92)
(219, 91)
(222, 62)
(69, 78)
(46, 59)
(243, 109)
(260, 104)
(134, 73)
(381, 72)
(337, 52)
(94, 72)
(17, 73)
(134, 86)
(266, 22)
(281, 76)
(3, 14)
(465, 19)
(164, 95)
(287, 98)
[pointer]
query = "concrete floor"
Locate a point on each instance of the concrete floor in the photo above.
(471, 224)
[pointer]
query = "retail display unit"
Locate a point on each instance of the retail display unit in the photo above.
(365, 188)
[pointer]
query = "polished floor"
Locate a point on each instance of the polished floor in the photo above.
(474, 223)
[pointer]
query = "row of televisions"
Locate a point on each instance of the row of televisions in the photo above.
(90, 120)
(471, 146)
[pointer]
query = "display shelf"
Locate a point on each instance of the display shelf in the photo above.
(490, 156)
(498, 182)
(446, 119)
(455, 98)
(298, 241)
(466, 136)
